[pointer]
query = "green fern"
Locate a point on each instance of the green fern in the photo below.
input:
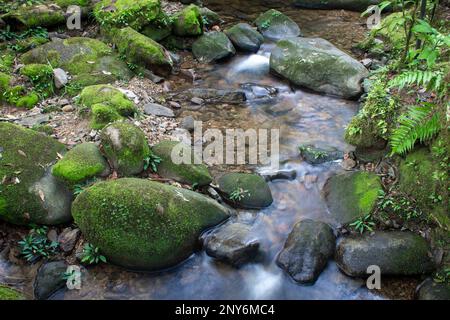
(419, 123)
(429, 79)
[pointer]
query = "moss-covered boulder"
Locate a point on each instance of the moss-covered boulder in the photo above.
(81, 163)
(275, 25)
(107, 104)
(351, 195)
(395, 252)
(7, 293)
(158, 30)
(213, 46)
(123, 13)
(316, 64)
(88, 61)
(190, 173)
(143, 51)
(145, 225)
(209, 17)
(39, 15)
(314, 155)
(188, 22)
(429, 289)
(28, 191)
(126, 147)
(245, 190)
(244, 37)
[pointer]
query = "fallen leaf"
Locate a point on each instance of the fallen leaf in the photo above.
(41, 195)
(21, 153)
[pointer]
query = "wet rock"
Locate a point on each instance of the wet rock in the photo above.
(276, 25)
(68, 238)
(244, 37)
(431, 290)
(313, 155)
(334, 72)
(82, 163)
(351, 195)
(188, 123)
(395, 252)
(49, 279)
(259, 92)
(34, 120)
(88, 61)
(126, 147)
(213, 46)
(370, 154)
(30, 194)
(188, 22)
(160, 230)
(210, 18)
(209, 95)
(282, 174)
(307, 250)
(354, 5)
(190, 173)
(60, 78)
(197, 100)
(245, 190)
(157, 31)
(158, 110)
(233, 244)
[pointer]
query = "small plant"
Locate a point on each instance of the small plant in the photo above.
(91, 255)
(317, 154)
(71, 277)
(238, 194)
(363, 224)
(400, 205)
(36, 245)
(152, 161)
(442, 276)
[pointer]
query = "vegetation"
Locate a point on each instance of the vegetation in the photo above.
(36, 245)
(91, 255)
(239, 194)
(364, 223)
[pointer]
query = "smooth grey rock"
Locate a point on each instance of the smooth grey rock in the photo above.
(244, 37)
(60, 78)
(49, 279)
(307, 250)
(33, 120)
(68, 238)
(158, 110)
(188, 123)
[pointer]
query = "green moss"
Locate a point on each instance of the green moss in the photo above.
(80, 164)
(102, 115)
(43, 128)
(41, 76)
(141, 224)
(6, 61)
(122, 13)
(7, 293)
(126, 147)
(5, 80)
(26, 155)
(188, 22)
(66, 3)
(185, 173)
(31, 42)
(13, 94)
(35, 16)
(28, 101)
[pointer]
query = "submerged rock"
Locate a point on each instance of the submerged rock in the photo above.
(49, 279)
(145, 225)
(81, 163)
(244, 37)
(307, 250)
(245, 190)
(232, 244)
(190, 173)
(29, 193)
(352, 195)
(213, 46)
(126, 147)
(275, 25)
(314, 155)
(88, 61)
(395, 252)
(188, 22)
(210, 95)
(316, 64)
(431, 290)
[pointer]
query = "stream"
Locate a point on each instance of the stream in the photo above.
(303, 118)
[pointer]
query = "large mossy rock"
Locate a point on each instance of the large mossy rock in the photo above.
(352, 195)
(244, 37)
(307, 250)
(144, 51)
(191, 173)
(252, 188)
(81, 163)
(395, 252)
(7, 293)
(126, 147)
(123, 13)
(354, 5)
(188, 22)
(39, 15)
(316, 64)
(213, 46)
(88, 61)
(28, 191)
(146, 225)
(107, 104)
(275, 25)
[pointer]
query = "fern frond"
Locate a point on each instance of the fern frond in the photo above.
(419, 123)
(428, 79)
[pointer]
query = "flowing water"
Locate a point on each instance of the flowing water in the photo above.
(303, 118)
